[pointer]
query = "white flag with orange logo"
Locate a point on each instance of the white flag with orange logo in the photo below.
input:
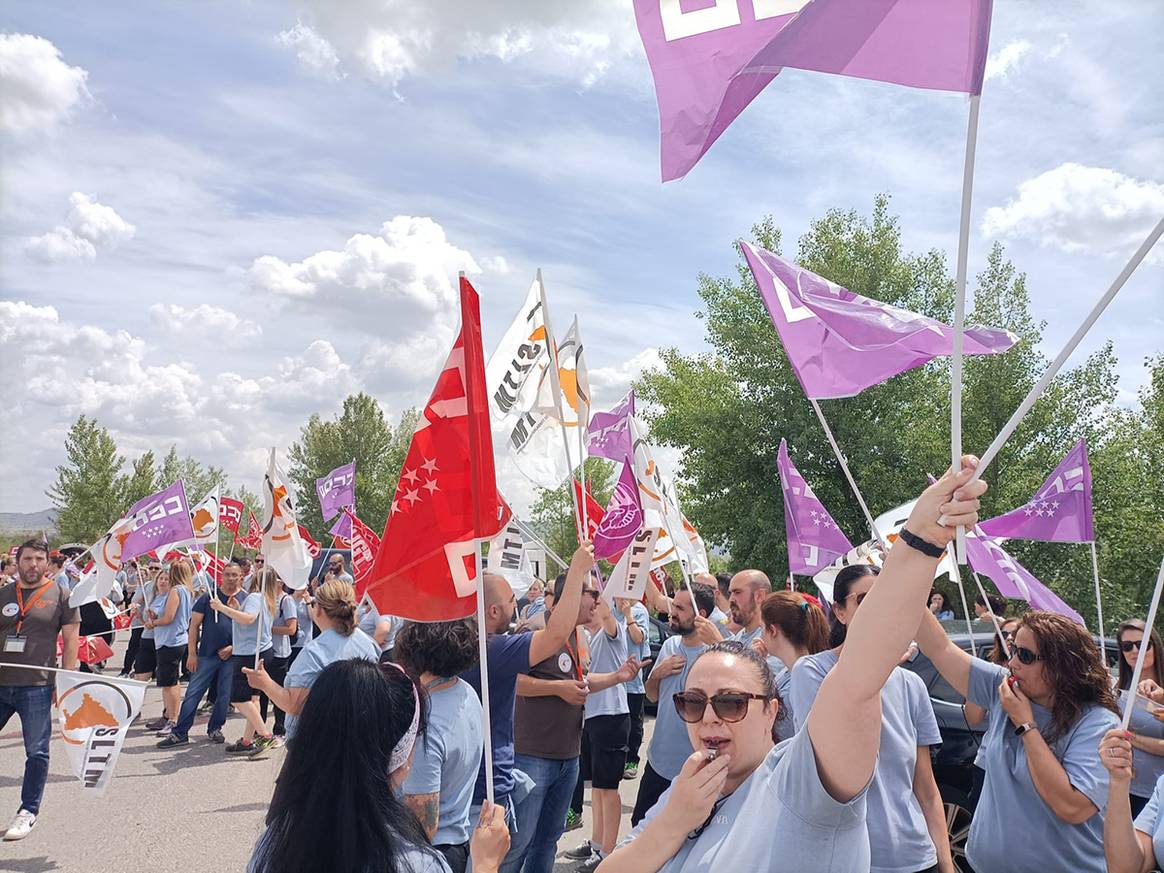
(94, 714)
(573, 383)
(515, 368)
(282, 544)
(98, 581)
(665, 552)
(657, 491)
(204, 518)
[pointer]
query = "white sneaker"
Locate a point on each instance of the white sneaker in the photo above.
(21, 826)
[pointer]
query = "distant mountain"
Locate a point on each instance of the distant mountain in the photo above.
(45, 520)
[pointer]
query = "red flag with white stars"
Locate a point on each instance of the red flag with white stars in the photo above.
(447, 497)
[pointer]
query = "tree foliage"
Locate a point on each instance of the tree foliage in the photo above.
(552, 514)
(88, 492)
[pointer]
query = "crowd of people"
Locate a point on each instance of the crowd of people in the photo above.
(787, 738)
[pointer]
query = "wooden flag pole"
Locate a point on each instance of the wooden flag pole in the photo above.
(852, 483)
(1139, 668)
(1098, 599)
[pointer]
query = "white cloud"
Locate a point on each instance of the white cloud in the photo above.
(1001, 62)
(609, 384)
(1074, 208)
(226, 326)
(37, 88)
(88, 225)
(313, 51)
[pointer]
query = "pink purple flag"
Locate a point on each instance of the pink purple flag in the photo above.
(623, 518)
(336, 490)
(609, 432)
(840, 343)
(1012, 578)
(1060, 511)
(936, 44)
(157, 520)
(342, 527)
(814, 540)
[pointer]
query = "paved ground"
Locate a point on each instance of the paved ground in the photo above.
(188, 809)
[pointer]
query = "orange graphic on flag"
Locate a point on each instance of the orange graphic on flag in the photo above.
(89, 714)
(202, 519)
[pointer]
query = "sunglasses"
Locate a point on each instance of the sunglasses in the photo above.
(1025, 655)
(591, 592)
(729, 706)
(1128, 645)
(259, 561)
(1008, 635)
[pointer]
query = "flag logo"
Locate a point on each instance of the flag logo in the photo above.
(91, 705)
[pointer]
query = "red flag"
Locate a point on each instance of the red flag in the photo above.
(213, 566)
(338, 542)
(312, 545)
(594, 511)
(447, 495)
(254, 537)
(364, 545)
(230, 513)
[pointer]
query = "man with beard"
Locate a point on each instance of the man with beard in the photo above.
(670, 746)
(748, 590)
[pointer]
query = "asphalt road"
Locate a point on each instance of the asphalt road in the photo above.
(191, 808)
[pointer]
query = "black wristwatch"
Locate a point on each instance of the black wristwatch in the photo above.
(923, 546)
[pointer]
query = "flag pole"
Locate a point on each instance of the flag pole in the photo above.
(962, 594)
(845, 467)
(1063, 355)
(960, 307)
(532, 536)
(583, 403)
(1098, 599)
(1139, 668)
(990, 610)
(482, 654)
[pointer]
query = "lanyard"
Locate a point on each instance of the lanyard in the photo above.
(24, 610)
(577, 654)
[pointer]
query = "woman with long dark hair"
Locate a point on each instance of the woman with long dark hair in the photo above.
(1044, 785)
(1147, 731)
(794, 626)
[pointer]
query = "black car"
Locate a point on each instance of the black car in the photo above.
(659, 631)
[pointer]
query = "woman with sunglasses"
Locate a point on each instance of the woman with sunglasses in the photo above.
(1147, 731)
(1044, 786)
(906, 818)
(741, 803)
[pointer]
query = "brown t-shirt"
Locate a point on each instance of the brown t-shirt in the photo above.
(549, 727)
(42, 622)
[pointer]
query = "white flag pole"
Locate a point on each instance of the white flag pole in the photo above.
(1139, 668)
(962, 593)
(1046, 378)
(845, 467)
(960, 307)
(1098, 598)
(482, 649)
(583, 403)
(989, 609)
(530, 534)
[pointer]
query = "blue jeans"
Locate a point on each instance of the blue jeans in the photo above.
(34, 705)
(212, 670)
(541, 816)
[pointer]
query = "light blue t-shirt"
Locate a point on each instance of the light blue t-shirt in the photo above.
(177, 632)
(1151, 823)
(786, 720)
(303, 633)
(327, 648)
(142, 597)
(371, 618)
(1148, 767)
(1013, 828)
(446, 760)
(670, 745)
(285, 613)
(244, 637)
(641, 650)
(780, 820)
(722, 621)
(899, 840)
(410, 859)
(607, 654)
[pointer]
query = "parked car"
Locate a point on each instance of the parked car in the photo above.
(658, 632)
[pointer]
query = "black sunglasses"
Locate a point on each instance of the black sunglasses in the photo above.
(1128, 645)
(729, 706)
(1025, 655)
(591, 592)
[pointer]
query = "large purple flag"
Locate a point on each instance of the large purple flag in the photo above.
(1012, 578)
(840, 343)
(814, 540)
(624, 516)
(157, 520)
(336, 490)
(937, 44)
(609, 432)
(1060, 511)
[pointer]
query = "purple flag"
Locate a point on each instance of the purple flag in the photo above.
(624, 516)
(1060, 511)
(814, 540)
(937, 44)
(1012, 578)
(342, 527)
(609, 432)
(158, 520)
(336, 490)
(840, 343)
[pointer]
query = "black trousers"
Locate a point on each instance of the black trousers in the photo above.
(131, 649)
(636, 703)
(278, 671)
(651, 788)
(456, 855)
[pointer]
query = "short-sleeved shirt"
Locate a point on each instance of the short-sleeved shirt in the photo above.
(550, 727)
(786, 720)
(670, 745)
(642, 650)
(780, 820)
(327, 648)
(177, 632)
(1010, 812)
(285, 613)
(899, 840)
(303, 632)
(258, 632)
(1150, 822)
(722, 621)
(446, 760)
(607, 654)
(1148, 768)
(142, 597)
(508, 656)
(44, 619)
(216, 631)
(371, 618)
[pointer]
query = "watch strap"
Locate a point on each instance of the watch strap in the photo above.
(924, 546)
(1024, 728)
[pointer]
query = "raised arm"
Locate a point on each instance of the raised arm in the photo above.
(949, 659)
(845, 722)
(564, 618)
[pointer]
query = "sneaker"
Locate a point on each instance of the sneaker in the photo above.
(172, 739)
(157, 724)
(278, 740)
(216, 737)
(573, 821)
(167, 729)
(591, 863)
(262, 744)
(21, 826)
(240, 748)
(630, 771)
(582, 853)
(206, 707)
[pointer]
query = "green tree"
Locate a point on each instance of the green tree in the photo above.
(87, 492)
(552, 514)
(198, 478)
(251, 503)
(141, 482)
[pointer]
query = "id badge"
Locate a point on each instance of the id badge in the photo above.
(15, 644)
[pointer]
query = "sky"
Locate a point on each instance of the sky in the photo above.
(219, 218)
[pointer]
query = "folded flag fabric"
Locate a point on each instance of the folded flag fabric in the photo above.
(1060, 511)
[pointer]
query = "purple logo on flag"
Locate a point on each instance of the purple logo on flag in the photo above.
(609, 431)
(624, 516)
(1012, 578)
(157, 520)
(814, 540)
(336, 490)
(1060, 511)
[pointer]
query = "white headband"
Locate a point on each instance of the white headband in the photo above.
(404, 746)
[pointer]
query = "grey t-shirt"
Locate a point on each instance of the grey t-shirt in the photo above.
(607, 654)
(670, 744)
(780, 820)
(1148, 768)
(899, 841)
(1013, 828)
(642, 651)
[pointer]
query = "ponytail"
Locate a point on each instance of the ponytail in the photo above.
(841, 587)
(801, 622)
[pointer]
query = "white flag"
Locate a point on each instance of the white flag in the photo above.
(573, 384)
(282, 545)
(98, 582)
(515, 368)
(656, 490)
(694, 561)
(204, 518)
(507, 558)
(534, 444)
(95, 713)
(628, 579)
